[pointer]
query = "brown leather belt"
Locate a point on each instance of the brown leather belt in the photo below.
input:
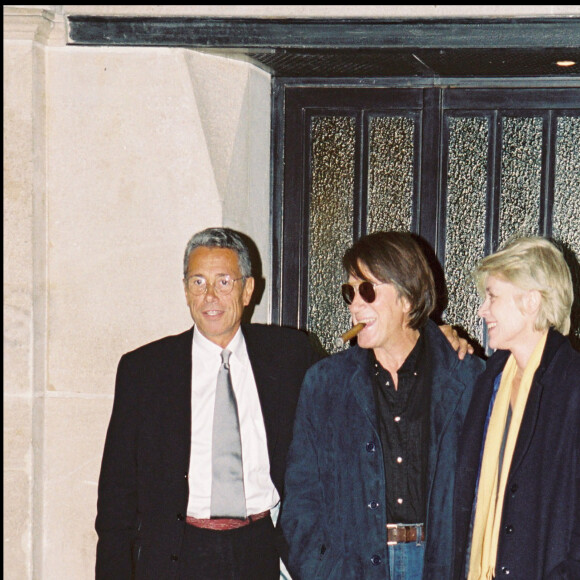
(399, 533)
(225, 523)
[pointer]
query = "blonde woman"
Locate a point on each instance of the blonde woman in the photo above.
(517, 493)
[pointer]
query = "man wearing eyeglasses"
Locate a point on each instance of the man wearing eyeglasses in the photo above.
(159, 514)
(369, 480)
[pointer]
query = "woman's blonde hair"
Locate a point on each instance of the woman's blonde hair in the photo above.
(534, 263)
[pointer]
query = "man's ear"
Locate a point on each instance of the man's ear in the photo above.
(248, 290)
(406, 304)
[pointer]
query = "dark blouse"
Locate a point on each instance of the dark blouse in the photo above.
(403, 419)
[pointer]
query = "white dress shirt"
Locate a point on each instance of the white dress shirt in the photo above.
(206, 360)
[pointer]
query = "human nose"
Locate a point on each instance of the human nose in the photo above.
(357, 301)
(482, 310)
(210, 291)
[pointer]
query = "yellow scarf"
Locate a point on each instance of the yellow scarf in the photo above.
(490, 496)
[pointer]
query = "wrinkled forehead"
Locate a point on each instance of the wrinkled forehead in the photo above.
(206, 260)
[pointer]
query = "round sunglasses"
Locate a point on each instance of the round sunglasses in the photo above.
(366, 291)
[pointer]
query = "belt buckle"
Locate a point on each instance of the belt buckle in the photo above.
(391, 527)
(419, 534)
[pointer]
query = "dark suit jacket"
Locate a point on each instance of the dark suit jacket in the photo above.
(143, 486)
(540, 532)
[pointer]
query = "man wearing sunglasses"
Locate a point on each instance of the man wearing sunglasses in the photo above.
(370, 472)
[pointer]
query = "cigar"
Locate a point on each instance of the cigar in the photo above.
(344, 338)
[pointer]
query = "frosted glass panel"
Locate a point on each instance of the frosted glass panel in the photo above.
(521, 177)
(566, 212)
(390, 178)
(331, 224)
(465, 215)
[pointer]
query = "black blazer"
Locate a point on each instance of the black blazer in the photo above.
(540, 532)
(143, 487)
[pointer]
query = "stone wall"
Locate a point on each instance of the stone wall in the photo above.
(113, 157)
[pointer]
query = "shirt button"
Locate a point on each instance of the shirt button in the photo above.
(400, 500)
(399, 460)
(509, 529)
(371, 446)
(397, 419)
(374, 504)
(375, 560)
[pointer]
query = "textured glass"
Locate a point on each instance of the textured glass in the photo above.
(331, 229)
(566, 212)
(390, 178)
(521, 177)
(466, 208)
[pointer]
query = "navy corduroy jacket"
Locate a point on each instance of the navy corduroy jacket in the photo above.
(333, 514)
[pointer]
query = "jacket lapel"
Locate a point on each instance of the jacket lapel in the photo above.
(532, 410)
(179, 369)
(361, 384)
(264, 369)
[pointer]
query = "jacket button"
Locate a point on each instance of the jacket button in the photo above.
(180, 517)
(374, 504)
(174, 557)
(514, 488)
(371, 446)
(375, 560)
(509, 529)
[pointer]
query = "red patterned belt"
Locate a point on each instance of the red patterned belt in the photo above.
(225, 523)
(399, 533)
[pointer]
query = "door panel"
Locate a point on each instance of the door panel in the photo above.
(467, 185)
(464, 168)
(330, 224)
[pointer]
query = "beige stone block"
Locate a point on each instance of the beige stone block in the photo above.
(39, 23)
(17, 494)
(75, 429)
(131, 181)
(17, 525)
(17, 433)
(18, 216)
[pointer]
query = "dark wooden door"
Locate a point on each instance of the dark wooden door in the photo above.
(465, 168)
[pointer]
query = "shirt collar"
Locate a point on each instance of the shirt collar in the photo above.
(411, 364)
(236, 345)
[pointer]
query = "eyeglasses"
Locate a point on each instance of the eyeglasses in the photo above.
(366, 291)
(222, 285)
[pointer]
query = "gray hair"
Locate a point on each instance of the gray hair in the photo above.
(220, 238)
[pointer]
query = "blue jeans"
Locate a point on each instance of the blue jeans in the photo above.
(406, 561)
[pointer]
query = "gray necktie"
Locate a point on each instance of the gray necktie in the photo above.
(228, 499)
